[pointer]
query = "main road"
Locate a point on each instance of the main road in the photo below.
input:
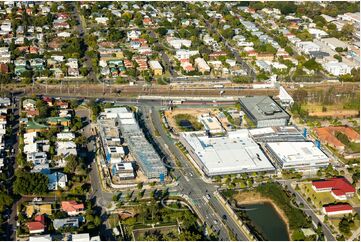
(192, 185)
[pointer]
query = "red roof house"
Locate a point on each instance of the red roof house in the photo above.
(337, 209)
(72, 207)
(32, 113)
(38, 226)
(48, 100)
(340, 188)
(62, 104)
(328, 135)
(147, 21)
(4, 68)
(62, 16)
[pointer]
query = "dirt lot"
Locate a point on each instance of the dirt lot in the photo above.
(195, 112)
(336, 113)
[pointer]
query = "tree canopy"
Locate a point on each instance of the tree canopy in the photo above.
(30, 183)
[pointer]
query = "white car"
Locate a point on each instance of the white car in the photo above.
(37, 199)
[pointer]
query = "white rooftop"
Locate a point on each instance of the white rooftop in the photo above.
(234, 153)
(298, 152)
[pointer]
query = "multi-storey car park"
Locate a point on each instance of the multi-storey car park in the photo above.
(276, 134)
(124, 122)
(263, 111)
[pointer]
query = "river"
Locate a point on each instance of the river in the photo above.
(267, 221)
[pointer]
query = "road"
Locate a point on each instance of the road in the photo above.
(81, 26)
(191, 184)
(234, 51)
(308, 210)
(13, 143)
(166, 61)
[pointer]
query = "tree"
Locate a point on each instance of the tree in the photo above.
(298, 235)
(20, 159)
(162, 31)
(140, 185)
(344, 226)
(338, 57)
(81, 140)
(71, 164)
(5, 201)
(113, 220)
(43, 108)
(97, 221)
(311, 64)
(30, 183)
(347, 31)
(339, 49)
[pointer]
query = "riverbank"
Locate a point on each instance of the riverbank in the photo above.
(247, 198)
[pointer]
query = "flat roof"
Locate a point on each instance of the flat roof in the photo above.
(335, 42)
(297, 152)
(210, 122)
(234, 153)
(279, 133)
(263, 108)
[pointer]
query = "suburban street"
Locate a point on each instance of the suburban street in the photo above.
(308, 210)
(234, 51)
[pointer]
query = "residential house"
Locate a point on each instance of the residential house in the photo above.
(48, 100)
(5, 102)
(263, 65)
(61, 104)
(264, 56)
(202, 65)
(307, 46)
(29, 104)
(334, 43)
(55, 121)
(133, 34)
(37, 158)
(178, 43)
(65, 148)
(317, 33)
(156, 67)
(40, 238)
(337, 68)
(72, 208)
(5, 56)
(72, 222)
(40, 209)
(37, 226)
(147, 21)
(327, 135)
(187, 66)
(33, 126)
(65, 136)
(57, 180)
(102, 20)
(185, 54)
